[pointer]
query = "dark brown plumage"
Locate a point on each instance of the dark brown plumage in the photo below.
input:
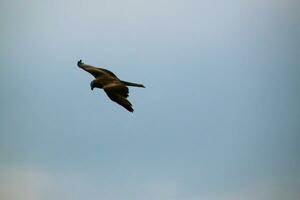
(115, 88)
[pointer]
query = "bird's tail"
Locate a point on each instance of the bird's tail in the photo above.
(133, 84)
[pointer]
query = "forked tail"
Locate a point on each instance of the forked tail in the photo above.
(133, 84)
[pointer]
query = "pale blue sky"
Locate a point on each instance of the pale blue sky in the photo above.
(219, 118)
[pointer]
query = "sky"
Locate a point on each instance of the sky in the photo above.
(219, 118)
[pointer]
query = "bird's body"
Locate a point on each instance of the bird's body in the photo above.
(115, 88)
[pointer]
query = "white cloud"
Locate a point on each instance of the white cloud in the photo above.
(36, 184)
(22, 184)
(253, 191)
(25, 183)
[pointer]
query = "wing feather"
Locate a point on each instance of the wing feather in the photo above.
(119, 93)
(97, 72)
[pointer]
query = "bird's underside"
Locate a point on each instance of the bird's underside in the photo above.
(115, 88)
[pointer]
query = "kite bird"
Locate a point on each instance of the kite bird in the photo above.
(115, 88)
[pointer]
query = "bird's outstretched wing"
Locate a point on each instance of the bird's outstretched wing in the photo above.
(96, 72)
(118, 93)
(107, 71)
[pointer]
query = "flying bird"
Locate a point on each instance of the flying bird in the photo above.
(115, 88)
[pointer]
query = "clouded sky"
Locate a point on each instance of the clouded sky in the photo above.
(218, 119)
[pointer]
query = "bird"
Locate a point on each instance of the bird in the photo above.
(114, 88)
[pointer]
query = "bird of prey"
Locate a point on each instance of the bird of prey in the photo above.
(115, 88)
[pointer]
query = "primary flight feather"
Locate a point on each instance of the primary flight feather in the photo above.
(115, 88)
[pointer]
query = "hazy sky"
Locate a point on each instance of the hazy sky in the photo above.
(219, 118)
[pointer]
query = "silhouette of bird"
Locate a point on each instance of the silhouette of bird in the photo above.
(115, 88)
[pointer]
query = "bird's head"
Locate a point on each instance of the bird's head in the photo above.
(79, 63)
